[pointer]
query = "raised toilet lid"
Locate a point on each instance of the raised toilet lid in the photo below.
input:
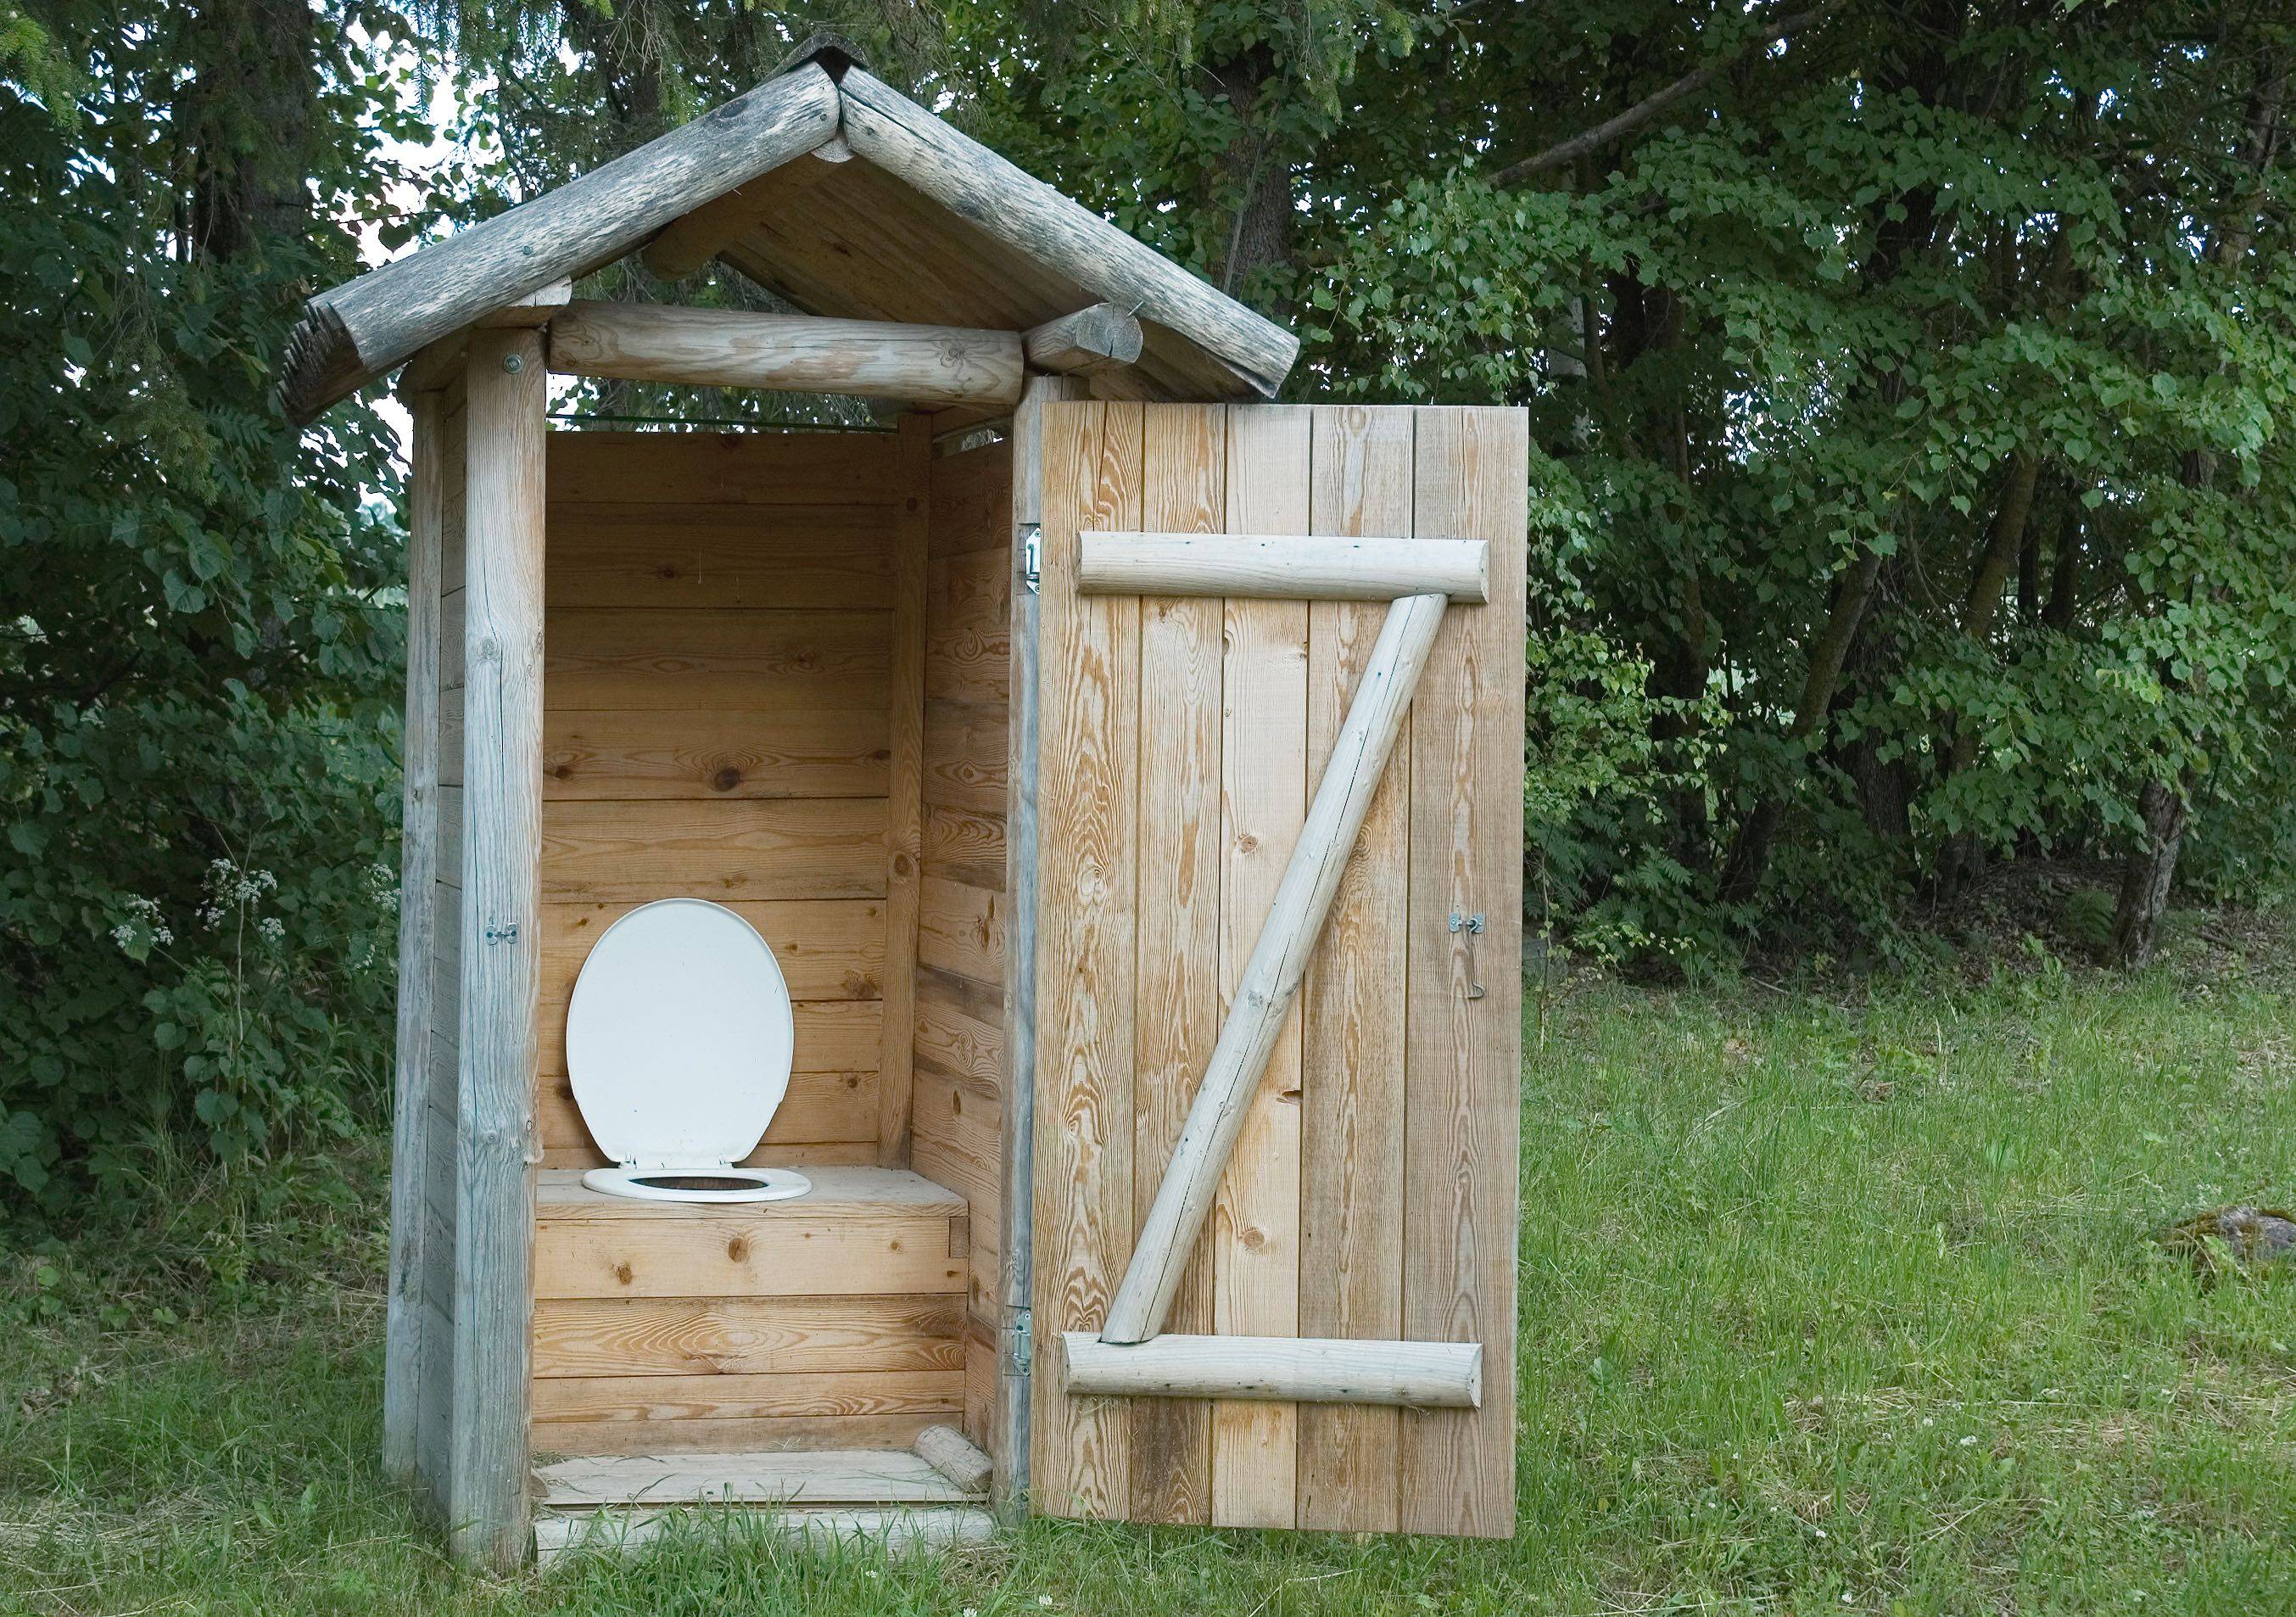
(678, 1037)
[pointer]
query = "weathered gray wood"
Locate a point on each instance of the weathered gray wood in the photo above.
(358, 329)
(538, 308)
(1289, 1369)
(686, 245)
(859, 1476)
(1272, 976)
(954, 1456)
(1009, 1427)
(501, 945)
(1282, 568)
(404, 1319)
(928, 365)
(964, 177)
(899, 1532)
(1096, 339)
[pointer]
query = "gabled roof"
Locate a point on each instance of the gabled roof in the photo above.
(833, 191)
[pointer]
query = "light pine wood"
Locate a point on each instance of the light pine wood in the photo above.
(1271, 978)
(1080, 1450)
(1461, 1163)
(737, 661)
(850, 1476)
(739, 1434)
(1177, 1012)
(834, 558)
(960, 1462)
(960, 1031)
(1315, 568)
(1099, 338)
(820, 1108)
(923, 365)
(966, 847)
(738, 1336)
(710, 754)
(961, 928)
(501, 945)
(662, 1401)
(1254, 1204)
(404, 1318)
(366, 326)
(897, 1531)
(795, 847)
(965, 756)
(968, 179)
(1353, 1059)
(810, 470)
(905, 803)
(1286, 1370)
(830, 949)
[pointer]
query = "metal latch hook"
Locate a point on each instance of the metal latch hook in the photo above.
(1472, 925)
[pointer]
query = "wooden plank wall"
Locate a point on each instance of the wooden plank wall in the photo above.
(959, 1045)
(1372, 1193)
(717, 724)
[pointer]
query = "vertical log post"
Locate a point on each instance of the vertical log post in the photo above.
(418, 876)
(1009, 1435)
(501, 847)
(1272, 976)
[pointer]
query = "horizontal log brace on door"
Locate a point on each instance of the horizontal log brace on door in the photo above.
(722, 348)
(1282, 568)
(1286, 1370)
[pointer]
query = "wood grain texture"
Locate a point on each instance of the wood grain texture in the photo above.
(1353, 1063)
(832, 1035)
(500, 945)
(655, 553)
(846, 1476)
(966, 846)
(404, 1318)
(599, 467)
(1096, 338)
(1462, 1115)
(967, 644)
(1255, 1221)
(796, 1434)
(895, 1531)
(653, 660)
(1295, 568)
(796, 847)
(1089, 658)
(746, 1335)
(965, 756)
(665, 1401)
(1177, 1012)
(1286, 1370)
(923, 365)
(710, 754)
(828, 949)
(357, 331)
(961, 928)
(905, 803)
(820, 1108)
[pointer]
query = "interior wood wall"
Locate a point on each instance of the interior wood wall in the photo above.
(718, 644)
(957, 1116)
(1372, 1191)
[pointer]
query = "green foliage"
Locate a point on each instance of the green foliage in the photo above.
(200, 627)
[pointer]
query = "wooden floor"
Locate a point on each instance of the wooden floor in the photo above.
(622, 1502)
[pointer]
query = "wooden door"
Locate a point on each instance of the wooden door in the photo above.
(1370, 1191)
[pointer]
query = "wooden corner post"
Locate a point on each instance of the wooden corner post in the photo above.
(418, 844)
(502, 845)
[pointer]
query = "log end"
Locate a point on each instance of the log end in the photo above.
(320, 365)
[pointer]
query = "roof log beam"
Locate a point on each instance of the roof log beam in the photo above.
(926, 366)
(1100, 338)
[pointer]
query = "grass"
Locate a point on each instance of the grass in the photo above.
(1827, 1305)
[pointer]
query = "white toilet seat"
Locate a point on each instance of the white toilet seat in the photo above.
(679, 1036)
(767, 1184)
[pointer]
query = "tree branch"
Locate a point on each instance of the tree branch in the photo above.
(1603, 134)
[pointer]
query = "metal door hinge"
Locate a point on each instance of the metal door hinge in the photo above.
(1032, 555)
(1021, 1344)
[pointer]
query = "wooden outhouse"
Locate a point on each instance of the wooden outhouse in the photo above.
(1126, 772)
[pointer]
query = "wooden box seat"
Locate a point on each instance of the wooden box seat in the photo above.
(835, 1321)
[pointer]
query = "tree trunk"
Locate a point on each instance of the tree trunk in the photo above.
(245, 117)
(1963, 853)
(1749, 853)
(1253, 173)
(2150, 871)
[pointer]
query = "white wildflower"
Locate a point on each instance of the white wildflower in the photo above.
(271, 927)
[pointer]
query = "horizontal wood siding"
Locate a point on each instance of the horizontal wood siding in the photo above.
(956, 1112)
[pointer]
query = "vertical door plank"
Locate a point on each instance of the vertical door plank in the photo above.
(904, 802)
(1088, 841)
(404, 1319)
(501, 945)
(1353, 1058)
(1179, 1007)
(1255, 1224)
(1463, 1112)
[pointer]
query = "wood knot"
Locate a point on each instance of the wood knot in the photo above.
(563, 772)
(726, 779)
(1247, 841)
(737, 1249)
(1254, 1239)
(622, 1273)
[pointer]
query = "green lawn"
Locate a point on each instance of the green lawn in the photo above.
(1828, 1304)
